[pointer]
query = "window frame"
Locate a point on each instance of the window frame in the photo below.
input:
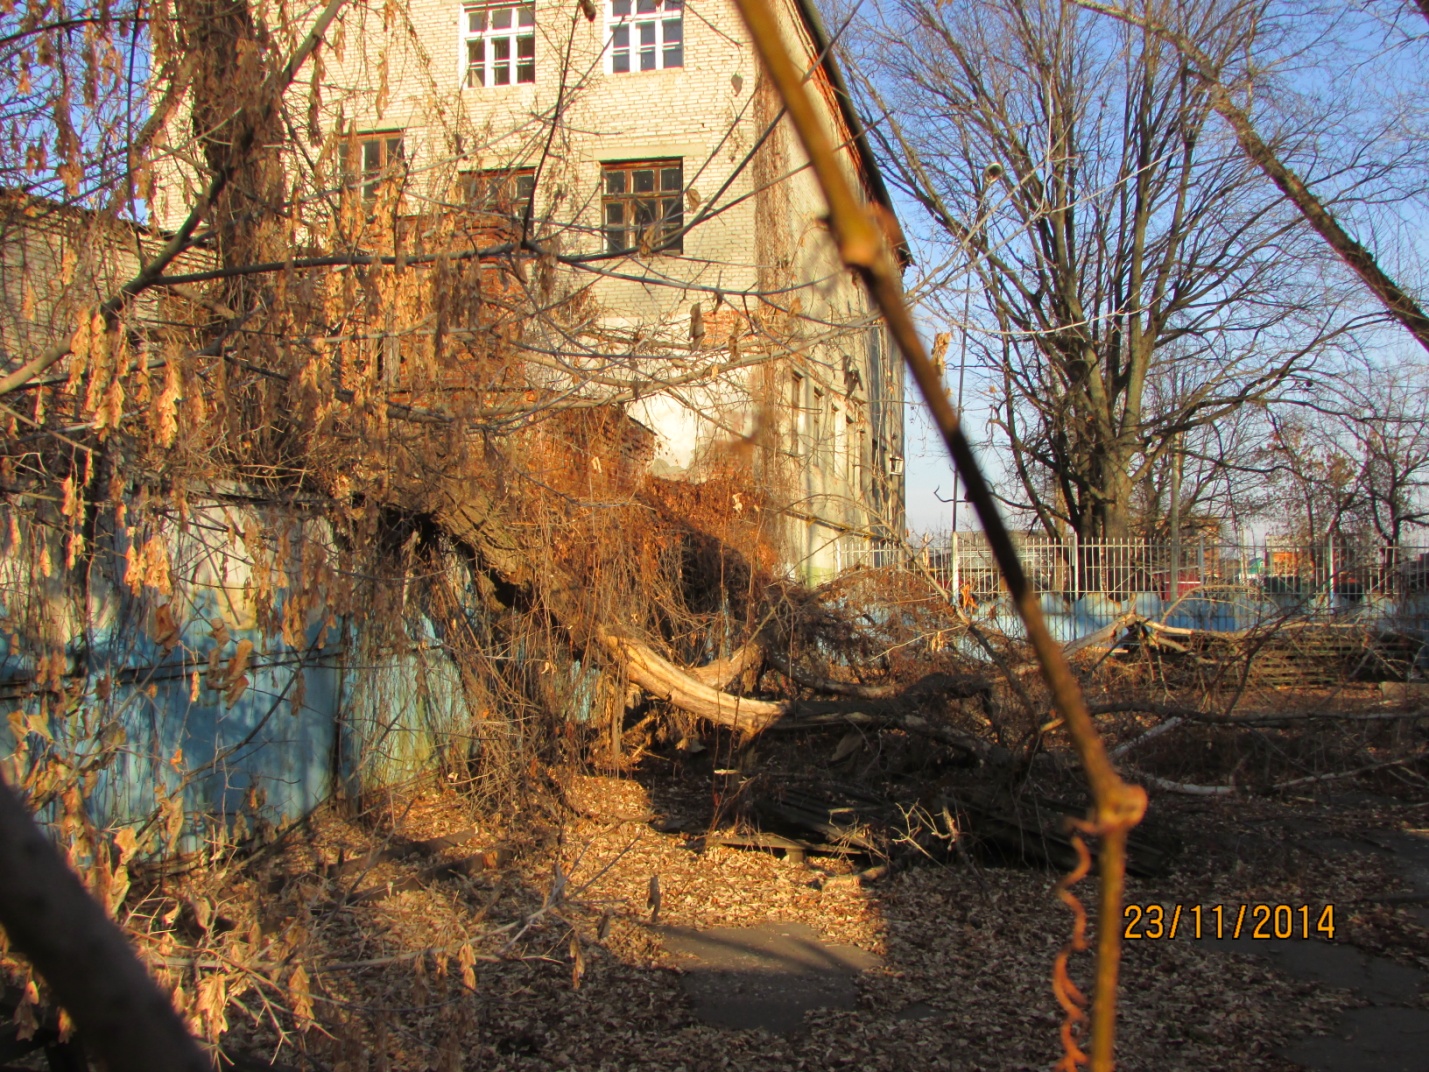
(489, 36)
(818, 440)
(625, 28)
(367, 181)
(798, 415)
(671, 202)
(497, 191)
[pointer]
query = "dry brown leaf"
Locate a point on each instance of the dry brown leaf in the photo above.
(300, 998)
(577, 962)
(466, 958)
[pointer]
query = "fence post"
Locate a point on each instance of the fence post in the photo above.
(1075, 553)
(1174, 592)
(1330, 573)
(956, 586)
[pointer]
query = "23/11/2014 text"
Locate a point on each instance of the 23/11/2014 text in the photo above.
(1154, 922)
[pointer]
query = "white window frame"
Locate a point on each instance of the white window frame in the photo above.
(478, 27)
(640, 31)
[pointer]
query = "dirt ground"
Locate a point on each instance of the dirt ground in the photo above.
(569, 957)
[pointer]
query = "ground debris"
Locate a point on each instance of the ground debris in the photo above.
(964, 950)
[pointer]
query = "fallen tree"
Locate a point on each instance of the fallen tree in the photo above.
(473, 518)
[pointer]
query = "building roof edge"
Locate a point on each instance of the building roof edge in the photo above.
(873, 174)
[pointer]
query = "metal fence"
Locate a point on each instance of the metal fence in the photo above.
(1213, 583)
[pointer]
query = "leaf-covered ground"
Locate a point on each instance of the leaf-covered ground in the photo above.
(553, 961)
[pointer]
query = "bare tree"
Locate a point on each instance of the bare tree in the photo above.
(1114, 240)
(1391, 438)
(1358, 462)
(1235, 84)
(1315, 478)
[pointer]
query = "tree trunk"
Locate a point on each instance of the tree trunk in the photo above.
(236, 120)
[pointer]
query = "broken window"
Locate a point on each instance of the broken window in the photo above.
(646, 35)
(500, 43)
(643, 204)
(503, 192)
(369, 160)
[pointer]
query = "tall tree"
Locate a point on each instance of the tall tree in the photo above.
(1231, 79)
(1114, 240)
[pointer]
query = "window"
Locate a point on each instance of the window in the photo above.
(646, 35)
(500, 44)
(369, 160)
(503, 192)
(644, 206)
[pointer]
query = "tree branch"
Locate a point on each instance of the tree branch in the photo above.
(861, 245)
(83, 956)
(154, 269)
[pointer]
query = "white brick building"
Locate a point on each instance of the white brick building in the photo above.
(663, 180)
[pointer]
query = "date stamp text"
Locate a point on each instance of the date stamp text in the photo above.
(1270, 922)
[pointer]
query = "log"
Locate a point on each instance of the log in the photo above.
(1103, 635)
(664, 680)
(723, 672)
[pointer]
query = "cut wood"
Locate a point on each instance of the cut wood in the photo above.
(1102, 635)
(1186, 789)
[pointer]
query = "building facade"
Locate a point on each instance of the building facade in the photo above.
(632, 151)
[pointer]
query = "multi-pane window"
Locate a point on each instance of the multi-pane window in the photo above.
(644, 207)
(369, 160)
(500, 43)
(646, 35)
(504, 192)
